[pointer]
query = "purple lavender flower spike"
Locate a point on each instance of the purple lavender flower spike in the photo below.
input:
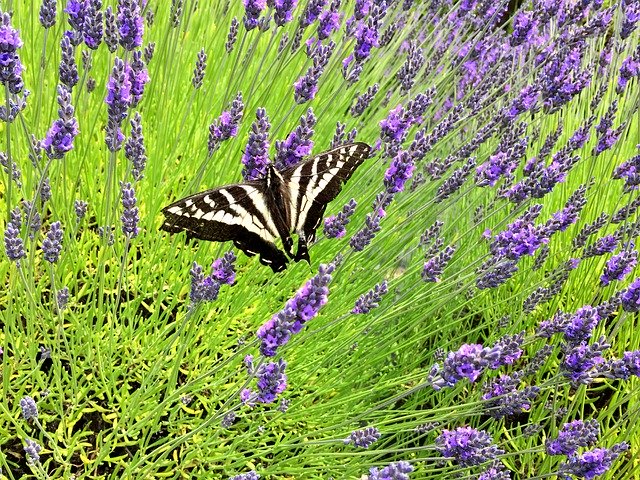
(361, 9)
(363, 438)
(582, 362)
(630, 68)
(11, 71)
(130, 24)
(283, 11)
(592, 463)
(252, 11)
(409, 70)
(367, 34)
(363, 237)
(52, 243)
(602, 245)
(271, 381)
(468, 362)
(525, 101)
(631, 297)
(298, 310)
(370, 300)
(363, 100)
(68, 69)
(130, 216)
(62, 299)
(297, 145)
(226, 126)
(452, 184)
(334, 226)
(118, 100)
(223, 269)
(149, 51)
(503, 397)
(138, 76)
(467, 446)
(134, 149)
(521, 237)
(75, 11)
(329, 20)
(525, 24)
(619, 266)
(631, 18)
(32, 451)
(574, 435)
(306, 87)
(232, 35)
(311, 12)
(495, 271)
(93, 25)
(111, 37)
(399, 172)
(562, 77)
(198, 71)
(580, 326)
(256, 155)
(627, 366)
(13, 244)
(203, 289)
(630, 172)
(393, 471)
(29, 408)
(59, 139)
(498, 165)
(434, 267)
(48, 13)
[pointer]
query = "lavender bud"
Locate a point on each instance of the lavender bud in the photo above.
(148, 51)
(52, 243)
(48, 13)
(110, 30)
(363, 100)
(334, 226)
(198, 72)
(68, 69)
(371, 299)
(129, 216)
(80, 207)
(134, 149)
(29, 408)
(414, 62)
(363, 438)
(232, 35)
(363, 237)
(32, 450)
(434, 267)
(62, 299)
(256, 154)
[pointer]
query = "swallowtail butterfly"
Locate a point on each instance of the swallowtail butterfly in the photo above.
(254, 214)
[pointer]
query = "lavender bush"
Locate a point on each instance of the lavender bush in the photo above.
(471, 306)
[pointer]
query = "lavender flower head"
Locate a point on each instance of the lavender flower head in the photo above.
(203, 289)
(467, 446)
(305, 305)
(393, 471)
(619, 266)
(271, 381)
(592, 463)
(399, 172)
(370, 300)
(363, 438)
(252, 475)
(256, 155)
(10, 66)
(130, 216)
(573, 435)
(134, 149)
(139, 77)
(52, 243)
(32, 450)
(68, 69)
(29, 408)
(298, 143)
(631, 297)
(335, 225)
(226, 126)
(283, 13)
(252, 11)
(59, 139)
(130, 24)
(329, 20)
(365, 235)
(223, 269)
(93, 25)
(468, 362)
(48, 13)
(13, 244)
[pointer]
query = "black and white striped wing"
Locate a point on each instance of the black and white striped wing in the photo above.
(234, 212)
(316, 182)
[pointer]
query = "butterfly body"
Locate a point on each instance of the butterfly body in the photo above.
(255, 214)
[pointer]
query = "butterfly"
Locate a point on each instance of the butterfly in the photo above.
(254, 214)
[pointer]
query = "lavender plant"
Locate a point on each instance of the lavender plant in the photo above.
(470, 309)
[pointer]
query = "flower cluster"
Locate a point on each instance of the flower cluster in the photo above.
(305, 305)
